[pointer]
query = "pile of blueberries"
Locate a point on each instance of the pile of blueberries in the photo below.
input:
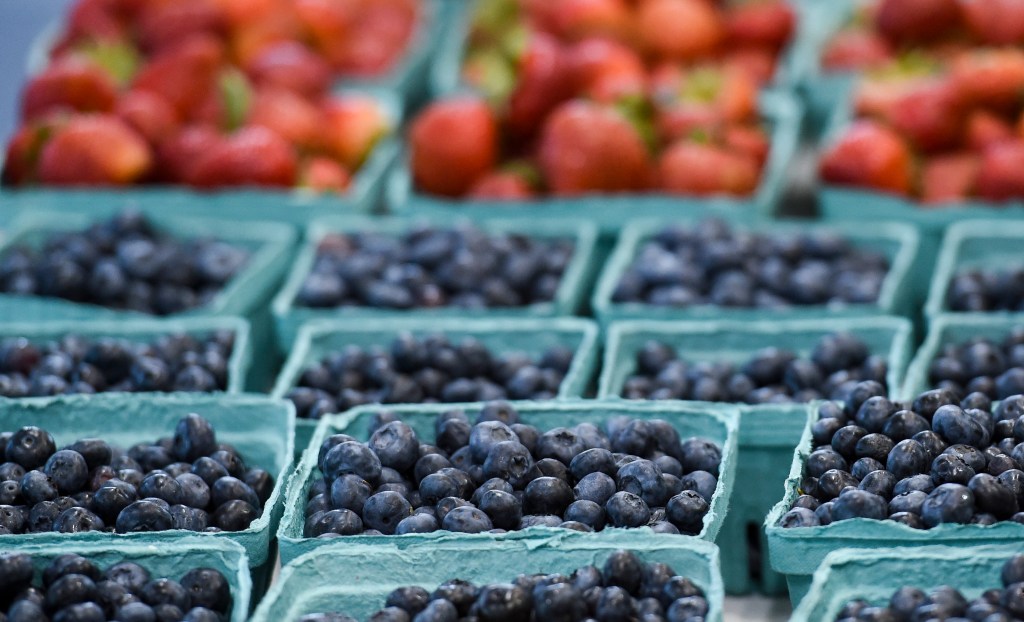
(837, 363)
(981, 291)
(427, 369)
(981, 366)
(429, 267)
(76, 364)
(188, 481)
(498, 475)
(936, 460)
(123, 263)
(74, 589)
(625, 588)
(711, 264)
(947, 603)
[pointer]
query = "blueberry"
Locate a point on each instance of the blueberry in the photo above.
(30, 447)
(194, 438)
(508, 460)
(859, 504)
(160, 485)
(990, 495)
(144, 515)
(948, 503)
(228, 489)
(112, 497)
(686, 511)
(383, 511)
(77, 520)
(15, 572)
(352, 458)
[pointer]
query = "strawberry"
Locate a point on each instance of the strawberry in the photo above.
(885, 86)
(928, 117)
(916, 21)
(757, 63)
(989, 77)
(24, 149)
(543, 83)
(995, 22)
(586, 147)
(679, 29)
(507, 186)
(379, 37)
(290, 116)
(574, 20)
(453, 143)
(324, 175)
(985, 128)
(163, 25)
(279, 26)
(252, 156)
(148, 114)
(94, 150)
(178, 155)
(293, 66)
(871, 155)
(949, 177)
(856, 49)
(750, 140)
(352, 125)
(693, 168)
(767, 24)
(71, 84)
(702, 100)
(329, 24)
(1001, 176)
(184, 75)
(95, 19)
(605, 70)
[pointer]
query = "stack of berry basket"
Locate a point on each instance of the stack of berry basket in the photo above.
(500, 310)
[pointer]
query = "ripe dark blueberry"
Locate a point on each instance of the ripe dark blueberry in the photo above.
(859, 504)
(160, 485)
(626, 509)
(77, 520)
(235, 515)
(879, 482)
(948, 503)
(30, 447)
(194, 438)
(686, 511)
(15, 572)
(383, 511)
(352, 458)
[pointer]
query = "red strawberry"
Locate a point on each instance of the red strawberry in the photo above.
(985, 128)
(293, 66)
(1002, 171)
(94, 150)
(543, 83)
(767, 24)
(379, 36)
(290, 116)
(506, 186)
(679, 29)
(95, 19)
(870, 155)
(995, 22)
(280, 25)
(928, 116)
(605, 70)
(908, 21)
(757, 63)
(329, 24)
(702, 99)
(24, 149)
(578, 19)
(163, 25)
(856, 49)
(586, 147)
(949, 178)
(70, 84)
(352, 125)
(989, 77)
(177, 156)
(148, 114)
(252, 156)
(694, 168)
(185, 75)
(750, 140)
(324, 175)
(452, 144)
(885, 87)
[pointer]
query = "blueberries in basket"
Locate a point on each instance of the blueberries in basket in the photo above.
(429, 268)
(630, 473)
(123, 263)
(711, 264)
(620, 590)
(835, 365)
(975, 290)
(946, 602)
(75, 589)
(74, 364)
(991, 368)
(179, 482)
(962, 463)
(426, 369)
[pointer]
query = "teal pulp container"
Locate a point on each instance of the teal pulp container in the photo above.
(717, 423)
(768, 432)
(355, 579)
(974, 245)
(533, 336)
(821, 90)
(900, 243)
(846, 575)
(571, 293)
(169, 561)
(145, 330)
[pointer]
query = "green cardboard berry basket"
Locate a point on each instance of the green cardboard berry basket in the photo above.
(531, 335)
(822, 91)
(259, 427)
(768, 432)
(798, 552)
(951, 328)
(717, 423)
(355, 579)
(170, 561)
(609, 211)
(247, 294)
(974, 244)
(846, 575)
(898, 242)
(144, 330)
(578, 274)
